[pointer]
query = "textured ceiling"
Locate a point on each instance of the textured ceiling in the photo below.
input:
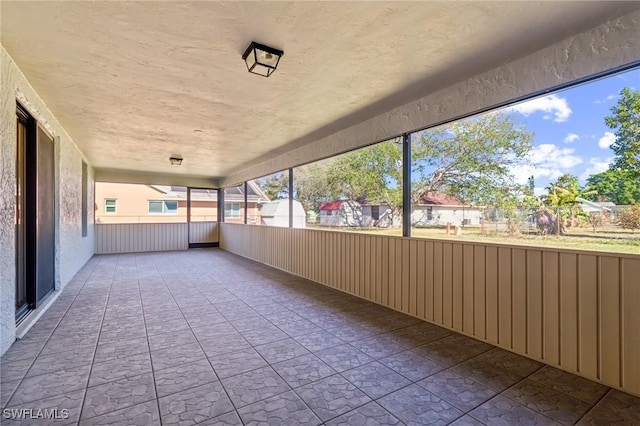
(135, 82)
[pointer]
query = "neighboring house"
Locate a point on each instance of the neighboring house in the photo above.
(605, 208)
(437, 208)
(276, 213)
(134, 203)
(343, 213)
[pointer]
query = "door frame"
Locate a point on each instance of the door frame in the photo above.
(205, 244)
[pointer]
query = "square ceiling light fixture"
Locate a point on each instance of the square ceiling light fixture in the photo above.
(175, 160)
(262, 60)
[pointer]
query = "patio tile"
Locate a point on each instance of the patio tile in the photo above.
(237, 363)
(318, 341)
(167, 326)
(195, 405)
(332, 396)
(461, 392)
(284, 409)
(261, 336)
(299, 328)
(545, 400)
(625, 407)
(509, 361)
(14, 370)
(68, 405)
(229, 419)
(214, 330)
(368, 414)
(578, 387)
(173, 338)
(139, 415)
(120, 349)
(109, 371)
(503, 411)
(352, 333)
(343, 357)
(375, 379)
(27, 348)
(281, 350)
(303, 370)
(252, 386)
(207, 319)
(184, 376)
(414, 405)
(268, 308)
(378, 347)
(56, 345)
(40, 387)
(169, 357)
(282, 317)
(467, 421)
(6, 390)
(224, 344)
(252, 323)
(116, 395)
(452, 349)
(62, 360)
(488, 374)
(118, 335)
(417, 334)
(411, 365)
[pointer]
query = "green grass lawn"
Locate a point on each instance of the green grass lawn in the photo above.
(609, 240)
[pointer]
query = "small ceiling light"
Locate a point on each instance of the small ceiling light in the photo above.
(175, 160)
(262, 60)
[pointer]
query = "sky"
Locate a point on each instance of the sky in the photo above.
(570, 133)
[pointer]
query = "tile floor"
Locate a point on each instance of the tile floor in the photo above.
(206, 337)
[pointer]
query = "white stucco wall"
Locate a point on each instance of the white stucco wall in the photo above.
(72, 250)
(609, 46)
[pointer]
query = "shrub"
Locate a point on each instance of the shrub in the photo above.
(629, 218)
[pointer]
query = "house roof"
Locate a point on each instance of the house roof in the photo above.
(606, 206)
(332, 205)
(442, 199)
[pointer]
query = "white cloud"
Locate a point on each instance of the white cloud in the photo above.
(547, 161)
(552, 105)
(606, 140)
(571, 137)
(549, 155)
(596, 165)
(608, 98)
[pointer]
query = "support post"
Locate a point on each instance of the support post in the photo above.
(406, 185)
(220, 205)
(290, 198)
(246, 202)
(188, 215)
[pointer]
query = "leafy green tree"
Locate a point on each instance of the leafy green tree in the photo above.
(471, 159)
(625, 121)
(617, 186)
(312, 186)
(276, 186)
(564, 194)
(372, 174)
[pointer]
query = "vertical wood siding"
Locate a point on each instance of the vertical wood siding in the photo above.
(203, 232)
(137, 237)
(576, 310)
